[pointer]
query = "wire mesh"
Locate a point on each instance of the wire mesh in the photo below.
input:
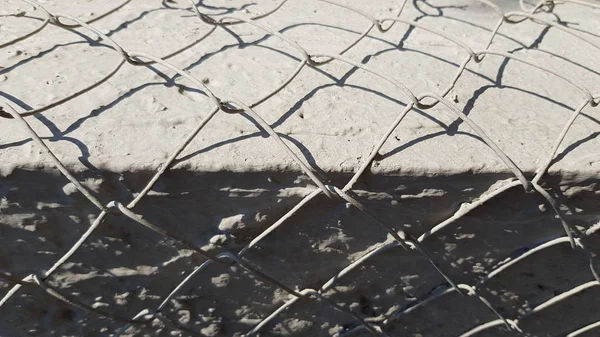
(232, 105)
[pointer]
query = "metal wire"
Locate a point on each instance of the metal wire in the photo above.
(231, 105)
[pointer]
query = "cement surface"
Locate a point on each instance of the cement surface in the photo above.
(332, 116)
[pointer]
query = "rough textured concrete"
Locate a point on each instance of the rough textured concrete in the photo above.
(233, 181)
(124, 268)
(135, 120)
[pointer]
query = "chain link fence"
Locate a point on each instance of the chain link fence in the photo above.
(573, 236)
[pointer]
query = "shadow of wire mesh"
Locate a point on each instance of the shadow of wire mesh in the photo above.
(320, 302)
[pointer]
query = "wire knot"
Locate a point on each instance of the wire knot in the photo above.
(228, 107)
(54, 20)
(548, 6)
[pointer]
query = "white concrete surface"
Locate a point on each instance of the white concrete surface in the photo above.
(135, 121)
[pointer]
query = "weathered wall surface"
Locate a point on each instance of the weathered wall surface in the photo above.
(124, 267)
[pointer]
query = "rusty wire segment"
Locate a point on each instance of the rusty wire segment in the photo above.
(232, 105)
